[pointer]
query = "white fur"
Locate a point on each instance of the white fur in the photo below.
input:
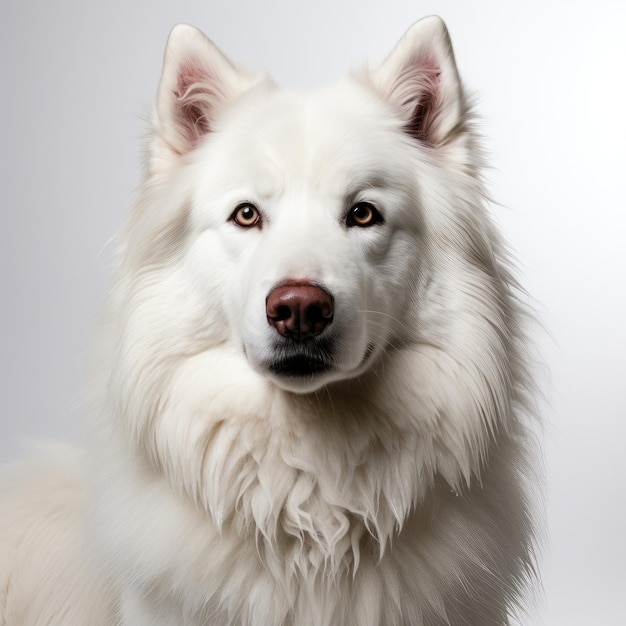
(389, 490)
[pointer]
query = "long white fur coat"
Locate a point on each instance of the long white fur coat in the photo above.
(389, 489)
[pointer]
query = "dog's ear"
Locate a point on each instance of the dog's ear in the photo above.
(196, 80)
(420, 79)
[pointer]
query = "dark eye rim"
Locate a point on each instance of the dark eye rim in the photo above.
(258, 221)
(372, 219)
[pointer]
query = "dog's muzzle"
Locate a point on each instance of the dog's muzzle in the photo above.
(300, 311)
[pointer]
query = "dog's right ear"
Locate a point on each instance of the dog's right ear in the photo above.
(197, 79)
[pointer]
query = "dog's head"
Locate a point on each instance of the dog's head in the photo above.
(300, 217)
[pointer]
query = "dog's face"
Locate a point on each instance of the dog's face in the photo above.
(305, 215)
(306, 205)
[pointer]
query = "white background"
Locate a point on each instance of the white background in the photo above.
(550, 85)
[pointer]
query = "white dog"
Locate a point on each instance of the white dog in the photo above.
(309, 397)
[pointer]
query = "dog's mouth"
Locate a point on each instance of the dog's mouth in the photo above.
(301, 360)
(306, 367)
(300, 366)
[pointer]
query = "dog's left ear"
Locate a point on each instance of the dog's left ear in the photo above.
(420, 79)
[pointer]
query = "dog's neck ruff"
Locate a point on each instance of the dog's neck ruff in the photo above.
(325, 505)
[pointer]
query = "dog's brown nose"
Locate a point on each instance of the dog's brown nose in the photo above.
(299, 310)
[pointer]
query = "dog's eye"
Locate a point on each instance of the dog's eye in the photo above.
(246, 215)
(363, 214)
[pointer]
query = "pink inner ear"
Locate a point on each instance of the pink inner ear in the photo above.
(418, 87)
(195, 94)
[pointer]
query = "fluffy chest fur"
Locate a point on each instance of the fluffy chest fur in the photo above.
(305, 533)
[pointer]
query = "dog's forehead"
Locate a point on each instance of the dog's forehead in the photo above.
(344, 113)
(340, 125)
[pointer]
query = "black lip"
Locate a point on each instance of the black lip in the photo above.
(299, 366)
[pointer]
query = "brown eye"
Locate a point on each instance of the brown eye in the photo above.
(246, 215)
(363, 214)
